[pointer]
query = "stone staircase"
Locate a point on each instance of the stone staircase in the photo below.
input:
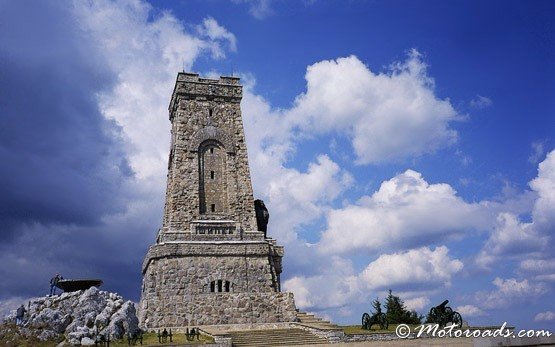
(312, 321)
(274, 337)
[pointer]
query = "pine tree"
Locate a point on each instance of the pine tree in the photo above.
(377, 305)
(397, 312)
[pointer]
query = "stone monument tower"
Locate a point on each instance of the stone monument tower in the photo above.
(212, 262)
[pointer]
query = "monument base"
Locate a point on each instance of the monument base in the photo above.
(223, 308)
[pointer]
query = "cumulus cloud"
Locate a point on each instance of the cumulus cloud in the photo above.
(539, 269)
(387, 116)
(509, 291)
(406, 211)
(514, 238)
(510, 238)
(217, 33)
(543, 213)
(545, 316)
(334, 287)
(411, 274)
(145, 54)
(84, 189)
(417, 304)
(470, 311)
(417, 269)
(293, 197)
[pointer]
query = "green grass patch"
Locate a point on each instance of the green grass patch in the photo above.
(357, 329)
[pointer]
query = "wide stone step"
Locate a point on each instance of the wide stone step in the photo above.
(274, 337)
(277, 341)
(315, 322)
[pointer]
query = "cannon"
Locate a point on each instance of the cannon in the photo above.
(134, 337)
(377, 318)
(443, 314)
(163, 337)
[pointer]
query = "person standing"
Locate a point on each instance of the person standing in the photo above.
(54, 282)
(20, 313)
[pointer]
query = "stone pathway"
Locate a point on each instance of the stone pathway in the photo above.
(462, 342)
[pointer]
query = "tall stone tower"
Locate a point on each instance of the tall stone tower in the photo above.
(211, 263)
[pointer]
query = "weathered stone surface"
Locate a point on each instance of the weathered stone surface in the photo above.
(210, 264)
(223, 308)
(80, 315)
(207, 137)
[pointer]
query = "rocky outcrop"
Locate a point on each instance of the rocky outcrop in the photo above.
(79, 317)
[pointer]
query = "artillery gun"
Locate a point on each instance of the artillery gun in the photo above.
(443, 314)
(376, 318)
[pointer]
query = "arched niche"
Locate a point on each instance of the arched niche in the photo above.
(212, 161)
(211, 132)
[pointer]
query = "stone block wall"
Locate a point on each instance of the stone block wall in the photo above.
(188, 268)
(178, 277)
(221, 308)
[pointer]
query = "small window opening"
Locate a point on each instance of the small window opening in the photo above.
(220, 286)
(211, 150)
(212, 174)
(213, 207)
(210, 112)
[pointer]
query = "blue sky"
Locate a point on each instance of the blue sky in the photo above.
(403, 145)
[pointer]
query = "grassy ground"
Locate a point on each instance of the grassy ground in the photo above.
(151, 339)
(357, 329)
(10, 337)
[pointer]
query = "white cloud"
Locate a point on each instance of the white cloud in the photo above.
(335, 287)
(145, 54)
(538, 151)
(545, 316)
(293, 197)
(420, 268)
(535, 265)
(543, 213)
(405, 211)
(259, 9)
(388, 116)
(470, 311)
(509, 238)
(417, 304)
(217, 34)
(480, 102)
(509, 292)
(513, 238)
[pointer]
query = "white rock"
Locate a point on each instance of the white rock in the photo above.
(86, 341)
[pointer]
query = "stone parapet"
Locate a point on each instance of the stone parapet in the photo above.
(191, 86)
